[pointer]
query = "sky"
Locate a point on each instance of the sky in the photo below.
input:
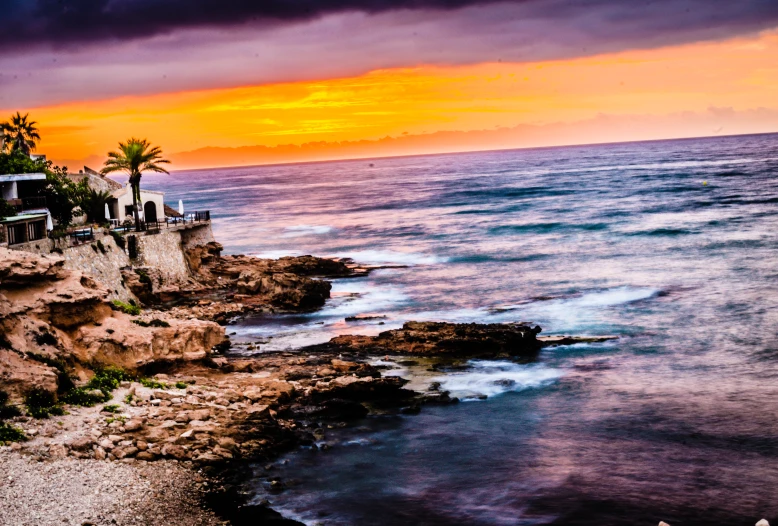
(241, 82)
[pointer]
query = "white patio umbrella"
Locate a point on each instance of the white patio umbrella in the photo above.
(107, 212)
(181, 206)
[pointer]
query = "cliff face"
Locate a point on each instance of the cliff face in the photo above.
(51, 314)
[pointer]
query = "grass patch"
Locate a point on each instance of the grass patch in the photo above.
(111, 408)
(126, 308)
(152, 323)
(9, 433)
(153, 384)
(129, 398)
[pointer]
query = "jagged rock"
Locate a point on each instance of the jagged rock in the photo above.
(44, 304)
(81, 444)
(439, 338)
(172, 450)
(133, 425)
(125, 452)
(58, 451)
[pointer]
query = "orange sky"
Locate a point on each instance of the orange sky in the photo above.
(741, 74)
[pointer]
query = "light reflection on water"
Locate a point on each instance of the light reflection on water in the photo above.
(675, 421)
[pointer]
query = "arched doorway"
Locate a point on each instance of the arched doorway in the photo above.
(150, 212)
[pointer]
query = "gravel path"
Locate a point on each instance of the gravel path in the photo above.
(83, 492)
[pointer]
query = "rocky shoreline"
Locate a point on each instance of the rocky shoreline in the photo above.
(138, 387)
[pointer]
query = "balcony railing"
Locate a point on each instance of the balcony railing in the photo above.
(28, 203)
(155, 226)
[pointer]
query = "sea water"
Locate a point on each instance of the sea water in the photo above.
(670, 245)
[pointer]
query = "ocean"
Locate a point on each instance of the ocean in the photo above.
(670, 245)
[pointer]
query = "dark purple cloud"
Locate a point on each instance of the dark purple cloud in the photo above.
(25, 23)
(57, 51)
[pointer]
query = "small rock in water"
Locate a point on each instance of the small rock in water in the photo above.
(663, 523)
(763, 522)
(505, 382)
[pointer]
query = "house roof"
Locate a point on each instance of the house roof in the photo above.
(123, 190)
(171, 212)
(23, 217)
(8, 178)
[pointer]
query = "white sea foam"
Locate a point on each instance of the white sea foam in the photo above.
(306, 230)
(275, 254)
(610, 297)
(491, 378)
(391, 257)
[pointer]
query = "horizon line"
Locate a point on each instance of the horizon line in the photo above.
(461, 152)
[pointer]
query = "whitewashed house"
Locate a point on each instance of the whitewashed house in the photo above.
(151, 205)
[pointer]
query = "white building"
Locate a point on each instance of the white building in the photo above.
(152, 206)
(32, 220)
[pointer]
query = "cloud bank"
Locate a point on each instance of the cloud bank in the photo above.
(54, 51)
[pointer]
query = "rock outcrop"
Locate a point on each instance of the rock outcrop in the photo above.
(53, 317)
(452, 339)
(224, 287)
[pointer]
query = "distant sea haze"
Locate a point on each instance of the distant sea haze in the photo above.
(670, 245)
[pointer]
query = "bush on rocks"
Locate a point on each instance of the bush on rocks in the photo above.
(7, 411)
(9, 433)
(42, 404)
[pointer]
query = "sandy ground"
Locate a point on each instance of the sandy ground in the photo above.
(82, 492)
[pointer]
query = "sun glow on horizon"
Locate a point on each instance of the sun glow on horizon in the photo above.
(739, 74)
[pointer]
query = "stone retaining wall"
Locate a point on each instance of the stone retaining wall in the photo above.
(163, 251)
(104, 265)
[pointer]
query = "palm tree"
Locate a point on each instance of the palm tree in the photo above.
(135, 157)
(21, 133)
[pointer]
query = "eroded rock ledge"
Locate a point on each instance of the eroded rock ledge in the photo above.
(50, 315)
(226, 287)
(459, 340)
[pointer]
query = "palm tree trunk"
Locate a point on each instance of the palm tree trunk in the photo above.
(135, 192)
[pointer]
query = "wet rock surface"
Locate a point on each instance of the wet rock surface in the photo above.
(440, 338)
(226, 287)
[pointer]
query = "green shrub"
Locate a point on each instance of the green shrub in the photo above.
(9, 433)
(107, 379)
(180, 385)
(118, 239)
(152, 323)
(127, 308)
(153, 384)
(129, 398)
(100, 246)
(111, 408)
(42, 404)
(83, 397)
